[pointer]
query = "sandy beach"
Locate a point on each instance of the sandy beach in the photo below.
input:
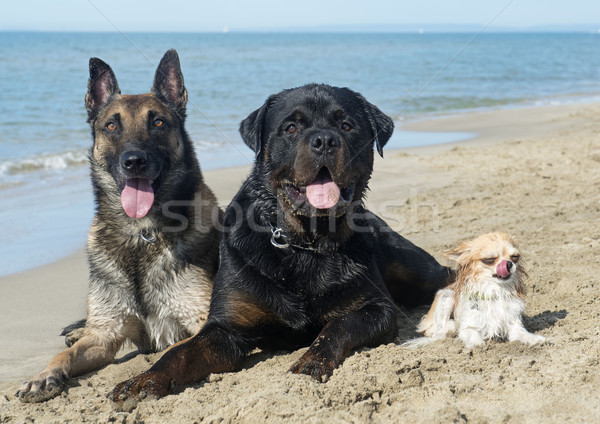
(533, 173)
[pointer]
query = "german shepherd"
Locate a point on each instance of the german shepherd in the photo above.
(302, 261)
(153, 244)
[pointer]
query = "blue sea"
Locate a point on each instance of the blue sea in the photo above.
(45, 196)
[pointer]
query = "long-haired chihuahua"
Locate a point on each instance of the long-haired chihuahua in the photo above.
(487, 299)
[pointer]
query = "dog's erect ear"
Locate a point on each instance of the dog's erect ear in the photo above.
(251, 128)
(455, 253)
(102, 85)
(381, 124)
(168, 82)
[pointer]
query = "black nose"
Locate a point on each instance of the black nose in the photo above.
(134, 160)
(324, 142)
(509, 265)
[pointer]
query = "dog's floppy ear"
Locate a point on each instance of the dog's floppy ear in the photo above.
(168, 82)
(381, 124)
(251, 128)
(102, 85)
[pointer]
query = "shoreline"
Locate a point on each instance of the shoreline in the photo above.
(432, 132)
(69, 206)
(521, 174)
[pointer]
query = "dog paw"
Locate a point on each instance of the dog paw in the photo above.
(73, 336)
(73, 332)
(471, 338)
(532, 339)
(44, 386)
(128, 394)
(317, 366)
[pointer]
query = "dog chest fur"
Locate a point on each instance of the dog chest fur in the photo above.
(153, 245)
(490, 309)
(169, 302)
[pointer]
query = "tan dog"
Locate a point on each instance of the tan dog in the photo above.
(153, 245)
(487, 299)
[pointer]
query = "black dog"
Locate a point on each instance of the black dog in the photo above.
(302, 260)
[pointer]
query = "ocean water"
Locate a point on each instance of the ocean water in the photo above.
(45, 195)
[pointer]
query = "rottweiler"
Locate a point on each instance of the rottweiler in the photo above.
(302, 261)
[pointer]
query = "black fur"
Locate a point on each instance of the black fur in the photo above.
(335, 283)
(153, 244)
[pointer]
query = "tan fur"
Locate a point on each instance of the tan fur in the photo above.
(471, 273)
(133, 109)
(245, 311)
(150, 293)
(426, 324)
(468, 255)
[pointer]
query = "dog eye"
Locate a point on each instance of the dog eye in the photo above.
(159, 123)
(290, 129)
(346, 126)
(111, 126)
(488, 261)
(515, 258)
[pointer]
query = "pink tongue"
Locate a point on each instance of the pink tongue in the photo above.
(323, 193)
(502, 269)
(137, 197)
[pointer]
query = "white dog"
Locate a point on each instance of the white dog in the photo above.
(487, 299)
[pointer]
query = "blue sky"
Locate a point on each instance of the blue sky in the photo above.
(215, 15)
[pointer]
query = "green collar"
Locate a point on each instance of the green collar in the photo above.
(479, 296)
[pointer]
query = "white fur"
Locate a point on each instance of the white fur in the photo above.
(443, 324)
(482, 308)
(490, 309)
(442, 321)
(176, 304)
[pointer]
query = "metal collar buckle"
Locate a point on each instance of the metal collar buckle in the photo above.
(148, 236)
(277, 234)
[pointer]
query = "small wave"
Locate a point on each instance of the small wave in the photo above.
(5, 185)
(44, 162)
(73, 158)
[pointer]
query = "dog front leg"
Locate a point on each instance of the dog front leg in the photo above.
(517, 332)
(368, 326)
(213, 350)
(437, 322)
(87, 354)
(470, 337)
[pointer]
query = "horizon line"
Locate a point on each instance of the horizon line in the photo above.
(357, 28)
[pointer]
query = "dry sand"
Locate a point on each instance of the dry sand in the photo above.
(534, 173)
